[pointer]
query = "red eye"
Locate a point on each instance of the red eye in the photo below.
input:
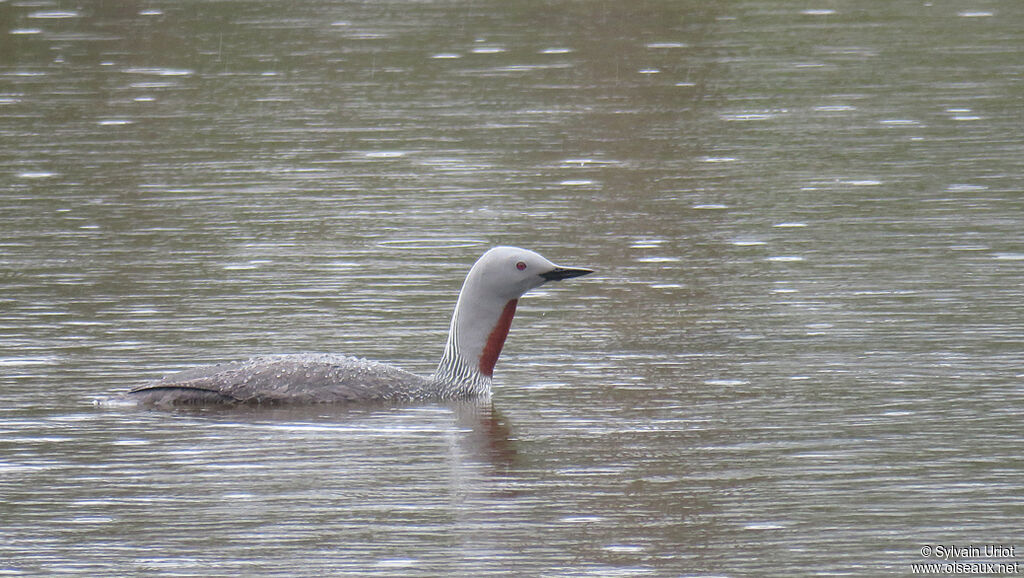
(521, 266)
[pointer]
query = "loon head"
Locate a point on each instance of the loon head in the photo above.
(507, 273)
(485, 309)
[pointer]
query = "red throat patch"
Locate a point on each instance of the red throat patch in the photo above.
(495, 341)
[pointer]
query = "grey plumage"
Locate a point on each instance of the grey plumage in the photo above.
(295, 379)
(479, 325)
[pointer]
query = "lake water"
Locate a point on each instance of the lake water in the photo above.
(801, 353)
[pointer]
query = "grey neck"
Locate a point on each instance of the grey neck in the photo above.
(458, 375)
(471, 339)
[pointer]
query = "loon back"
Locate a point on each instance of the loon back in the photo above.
(298, 379)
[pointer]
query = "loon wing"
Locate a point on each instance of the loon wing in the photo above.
(303, 378)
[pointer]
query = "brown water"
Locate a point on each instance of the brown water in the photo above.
(801, 355)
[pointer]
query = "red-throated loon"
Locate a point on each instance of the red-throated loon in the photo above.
(480, 323)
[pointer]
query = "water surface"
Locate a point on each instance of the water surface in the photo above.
(801, 354)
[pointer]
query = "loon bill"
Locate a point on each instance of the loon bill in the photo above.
(480, 323)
